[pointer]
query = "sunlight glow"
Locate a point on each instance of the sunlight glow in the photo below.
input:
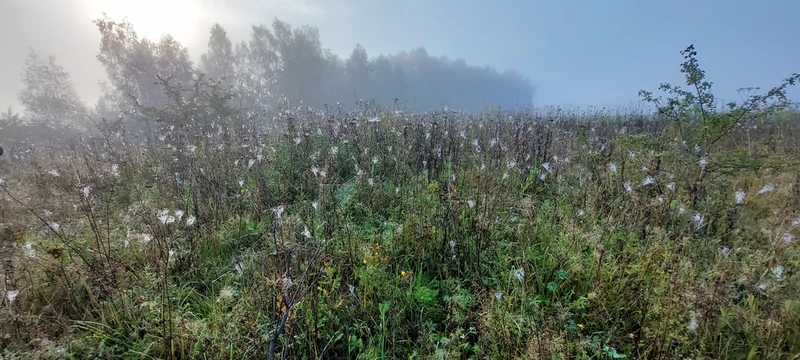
(153, 18)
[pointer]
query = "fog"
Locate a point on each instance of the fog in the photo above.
(357, 53)
(89, 51)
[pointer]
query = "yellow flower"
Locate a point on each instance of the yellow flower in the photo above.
(403, 273)
(365, 261)
(580, 326)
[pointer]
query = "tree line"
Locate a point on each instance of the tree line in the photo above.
(278, 65)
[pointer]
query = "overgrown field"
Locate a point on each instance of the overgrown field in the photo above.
(384, 234)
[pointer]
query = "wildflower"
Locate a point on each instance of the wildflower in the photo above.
(796, 222)
(778, 271)
(671, 186)
(681, 209)
(145, 238)
(546, 166)
(11, 295)
(476, 145)
(628, 187)
(86, 191)
(365, 261)
(226, 293)
(693, 324)
(334, 150)
(179, 214)
(241, 182)
(519, 274)
(511, 164)
(505, 175)
(542, 176)
(236, 163)
(703, 162)
(739, 197)
(724, 250)
(191, 148)
(374, 120)
(352, 289)
(54, 173)
(306, 233)
(190, 220)
(452, 246)
(612, 167)
(54, 225)
(371, 182)
(259, 157)
(29, 251)
(788, 238)
(697, 149)
(115, 170)
(278, 211)
(297, 140)
(499, 296)
(471, 203)
(315, 205)
(403, 273)
(580, 326)
(238, 268)
(631, 154)
(164, 217)
(698, 219)
(766, 189)
(250, 163)
(648, 180)
(315, 171)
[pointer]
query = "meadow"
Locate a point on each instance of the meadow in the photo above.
(384, 233)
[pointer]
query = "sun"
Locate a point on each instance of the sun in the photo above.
(153, 19)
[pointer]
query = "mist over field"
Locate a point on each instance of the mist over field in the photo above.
(201, 179)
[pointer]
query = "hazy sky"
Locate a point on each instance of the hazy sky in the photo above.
(576, 52)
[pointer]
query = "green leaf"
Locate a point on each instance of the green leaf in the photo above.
(561, 274)
(345, 193)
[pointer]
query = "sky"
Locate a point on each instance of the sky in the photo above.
(577, 53)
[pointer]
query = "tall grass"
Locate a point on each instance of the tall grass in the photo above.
(385, 234)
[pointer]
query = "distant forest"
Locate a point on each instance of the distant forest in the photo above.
(285, 64)
(278, 67)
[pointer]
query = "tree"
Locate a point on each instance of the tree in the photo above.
(301, 62)
(48, 95)
(134, 65)
(173, 62)
(358, 72)
(218, 61)
(333, 79)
